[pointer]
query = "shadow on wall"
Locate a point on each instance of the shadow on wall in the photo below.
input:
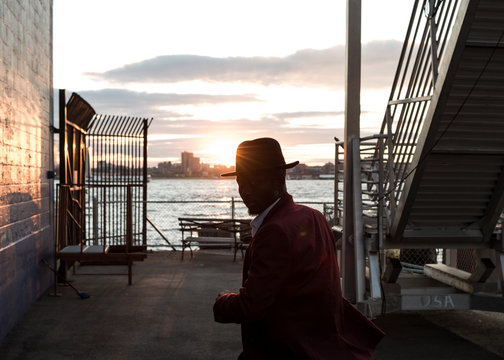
(25, 239)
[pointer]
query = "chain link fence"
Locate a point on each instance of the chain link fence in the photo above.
(164, 215)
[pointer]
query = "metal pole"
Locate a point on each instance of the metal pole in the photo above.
(129, 219)
(95, 220)
(104, 217)
(352, 130)
(62, 136)
(433, 31)
(360, 263)
(144, 195)
(63, 175)
(232, 208)
(336, 156)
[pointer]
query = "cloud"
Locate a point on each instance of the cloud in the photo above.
(308, 114)
(307, 68)
(171, 137)
(239, 129)
(120, 101)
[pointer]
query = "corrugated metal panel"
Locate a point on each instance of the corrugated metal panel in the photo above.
(79, 112)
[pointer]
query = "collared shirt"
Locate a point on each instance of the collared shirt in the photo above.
(258, 220)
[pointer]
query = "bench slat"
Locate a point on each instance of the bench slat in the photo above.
(209, 239)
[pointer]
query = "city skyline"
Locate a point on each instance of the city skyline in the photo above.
(192, 162)
(190, 166)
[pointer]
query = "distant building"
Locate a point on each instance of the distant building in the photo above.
(165, 168)
(328, 169)
(26, 156)
(190, 164)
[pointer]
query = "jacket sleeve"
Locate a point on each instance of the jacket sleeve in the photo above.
(269, 267)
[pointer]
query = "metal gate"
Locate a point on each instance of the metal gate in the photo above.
(118, 162)
(102, 193)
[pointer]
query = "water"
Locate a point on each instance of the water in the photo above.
(169, 199)
(220, 189)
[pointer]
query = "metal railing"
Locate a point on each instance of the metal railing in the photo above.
(114, 220)
(428, 33)
(376, 218)
(162, 231)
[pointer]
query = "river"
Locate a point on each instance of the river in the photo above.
(169, 199)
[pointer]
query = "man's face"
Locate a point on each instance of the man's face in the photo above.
(257, 191)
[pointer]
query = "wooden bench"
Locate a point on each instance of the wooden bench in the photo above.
(213, 233)
(101, 255)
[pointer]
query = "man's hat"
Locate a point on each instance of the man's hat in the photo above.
(259, 155)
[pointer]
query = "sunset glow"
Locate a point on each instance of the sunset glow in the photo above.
(221, 151)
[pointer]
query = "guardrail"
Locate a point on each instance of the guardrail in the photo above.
(162, 232)
(165, 214)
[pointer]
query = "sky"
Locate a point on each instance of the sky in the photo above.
(214, 73)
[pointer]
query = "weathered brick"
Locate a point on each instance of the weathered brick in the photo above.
(15, 193)
(25, 150)
(20, 211)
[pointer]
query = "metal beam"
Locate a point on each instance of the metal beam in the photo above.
(360, 263)
(494, 208)
(446, 233)
(410, 100)
(457, 278)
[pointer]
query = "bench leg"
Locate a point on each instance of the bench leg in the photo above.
(130, 275)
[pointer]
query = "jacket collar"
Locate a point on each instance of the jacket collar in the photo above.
(258, 220)
(285, 200)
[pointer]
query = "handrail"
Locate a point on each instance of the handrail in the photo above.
(428, 32)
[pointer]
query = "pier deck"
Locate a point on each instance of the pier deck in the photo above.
(167, 314)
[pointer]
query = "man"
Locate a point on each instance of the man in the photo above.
(290, 304)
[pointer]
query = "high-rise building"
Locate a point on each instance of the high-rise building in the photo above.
(190, 163)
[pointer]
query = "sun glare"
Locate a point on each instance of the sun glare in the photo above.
(221, 152)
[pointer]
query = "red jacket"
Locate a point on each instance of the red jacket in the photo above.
(290, 304)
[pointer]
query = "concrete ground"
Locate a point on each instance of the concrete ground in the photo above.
(167, 314)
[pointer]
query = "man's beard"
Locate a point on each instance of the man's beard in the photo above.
(253, 212)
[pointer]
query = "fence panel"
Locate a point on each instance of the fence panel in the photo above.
(165, 214)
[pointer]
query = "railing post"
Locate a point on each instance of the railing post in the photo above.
(144, 183)
(336, 181)
(390, 165)
(104, 217)
(95, 220)
(434, 47)
(359, 249)
(129, 219)
(381, 147)
(232, 208)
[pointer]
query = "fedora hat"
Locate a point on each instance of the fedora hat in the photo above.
(258, 155)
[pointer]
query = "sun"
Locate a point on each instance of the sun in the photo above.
(221, 151)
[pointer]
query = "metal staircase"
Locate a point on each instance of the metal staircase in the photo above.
(454, 195)
(434, 176)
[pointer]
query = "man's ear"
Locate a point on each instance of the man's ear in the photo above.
(279, 185)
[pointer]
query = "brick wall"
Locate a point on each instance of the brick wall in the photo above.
(25, 155)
